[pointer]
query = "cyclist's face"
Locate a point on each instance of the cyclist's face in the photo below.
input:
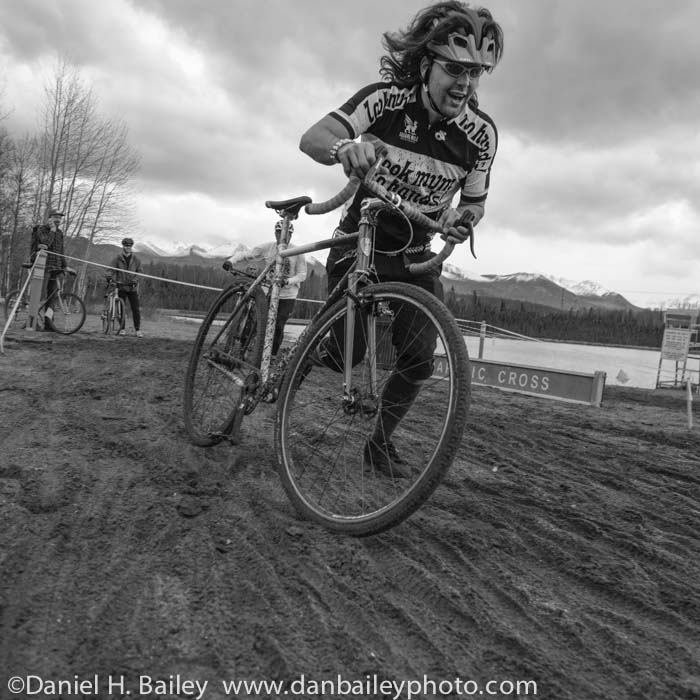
(450, 94)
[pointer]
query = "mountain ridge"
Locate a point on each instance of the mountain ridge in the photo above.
(543, 290)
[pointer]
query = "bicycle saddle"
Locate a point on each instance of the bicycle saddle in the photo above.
(289, 207)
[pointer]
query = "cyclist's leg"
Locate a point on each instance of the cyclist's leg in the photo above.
(414, 339)
(330, 352)
(324, 427)
(284, 311)
(135, 309)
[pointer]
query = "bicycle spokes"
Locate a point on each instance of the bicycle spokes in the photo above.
(223, 372)
(359, 456)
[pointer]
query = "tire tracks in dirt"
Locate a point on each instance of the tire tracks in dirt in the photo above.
(561, 547)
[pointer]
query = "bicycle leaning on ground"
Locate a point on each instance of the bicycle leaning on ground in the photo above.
(62, 312)
(325, 416)
(113, 313)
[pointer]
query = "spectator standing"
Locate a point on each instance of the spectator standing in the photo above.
(125, 264)
(294, 273)
(50, 237)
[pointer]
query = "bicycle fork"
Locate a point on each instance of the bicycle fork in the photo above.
(355, 400)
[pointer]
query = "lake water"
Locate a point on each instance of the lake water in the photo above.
(622, 366)
(633, 367)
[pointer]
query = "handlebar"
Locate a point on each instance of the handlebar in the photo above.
(343, 196)
(228, 266)
(393, 200)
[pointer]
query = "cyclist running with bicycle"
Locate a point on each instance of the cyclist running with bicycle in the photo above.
(435, 142)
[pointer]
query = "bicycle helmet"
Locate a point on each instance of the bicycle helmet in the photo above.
(467, 36)
(127, 241)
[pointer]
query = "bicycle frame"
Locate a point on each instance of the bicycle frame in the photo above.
(360, 269)
(348, 286)
(284, 252)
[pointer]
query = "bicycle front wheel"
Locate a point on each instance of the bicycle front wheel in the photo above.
(106, 318)
(118, 317)
(224, 364)
(330, 465)
(21, 316)
(68, 314)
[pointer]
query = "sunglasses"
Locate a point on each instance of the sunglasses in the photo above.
(457, 70)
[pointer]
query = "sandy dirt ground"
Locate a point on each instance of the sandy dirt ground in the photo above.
(562, 547)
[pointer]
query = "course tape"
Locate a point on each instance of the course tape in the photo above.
(140, 274)
(164, 279)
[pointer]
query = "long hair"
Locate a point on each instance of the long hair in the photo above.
(406, 48)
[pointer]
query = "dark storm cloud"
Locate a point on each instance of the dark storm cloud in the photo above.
(597, 106)
(598, 72)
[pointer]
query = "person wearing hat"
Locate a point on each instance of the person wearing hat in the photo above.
(125, 264)
(295, 274)
(49, 236)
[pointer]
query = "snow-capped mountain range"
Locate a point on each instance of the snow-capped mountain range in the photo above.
(585, 288)
(181, 250)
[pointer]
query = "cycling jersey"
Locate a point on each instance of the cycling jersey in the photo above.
(427, 164)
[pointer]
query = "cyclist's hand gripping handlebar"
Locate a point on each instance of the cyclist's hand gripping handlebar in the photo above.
(409, 210)
(419, 218)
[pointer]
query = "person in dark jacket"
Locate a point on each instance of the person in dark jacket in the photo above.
(50, 237)
(124, 265)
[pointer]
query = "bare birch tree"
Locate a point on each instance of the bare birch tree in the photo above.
(86, 164)
(79, 162)
(17, 190)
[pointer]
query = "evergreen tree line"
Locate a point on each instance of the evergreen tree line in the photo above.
(642, 328)
(154, 294)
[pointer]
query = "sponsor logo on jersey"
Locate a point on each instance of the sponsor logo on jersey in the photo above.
(410, 127)
(426, 188)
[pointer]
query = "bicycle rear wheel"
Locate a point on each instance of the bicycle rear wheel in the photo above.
(321, 435)
(21, 315)
(68, 314)
(223, 365)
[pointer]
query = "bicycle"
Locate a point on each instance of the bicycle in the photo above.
(62, 312)
(113, 314)
(325, 416)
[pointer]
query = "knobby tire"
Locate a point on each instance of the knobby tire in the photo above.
(21, 317)
(118, 320)
(223, 365)
(320, 445)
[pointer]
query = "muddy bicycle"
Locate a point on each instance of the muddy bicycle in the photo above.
(113, 315)
(328, 410)
(61, 311)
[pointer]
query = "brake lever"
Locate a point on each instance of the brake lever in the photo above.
(470, 236)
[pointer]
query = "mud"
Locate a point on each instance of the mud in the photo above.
(562, 547)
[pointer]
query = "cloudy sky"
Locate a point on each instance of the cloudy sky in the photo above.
(597, 104)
